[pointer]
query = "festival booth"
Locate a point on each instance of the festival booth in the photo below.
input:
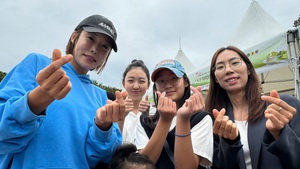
(273, 51)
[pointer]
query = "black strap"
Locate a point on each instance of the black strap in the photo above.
(169, 151)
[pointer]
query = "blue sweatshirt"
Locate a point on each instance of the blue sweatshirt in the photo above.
(65, 135)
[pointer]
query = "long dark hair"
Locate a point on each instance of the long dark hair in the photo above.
(152, 120)
(217, 97)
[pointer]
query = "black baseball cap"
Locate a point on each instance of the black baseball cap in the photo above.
(99, 24)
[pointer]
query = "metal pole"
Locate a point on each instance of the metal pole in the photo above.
(292, 42)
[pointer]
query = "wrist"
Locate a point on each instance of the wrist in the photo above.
(275, 134)
(183, 135)
(103, 125)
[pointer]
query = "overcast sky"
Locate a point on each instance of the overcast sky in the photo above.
(147, 30)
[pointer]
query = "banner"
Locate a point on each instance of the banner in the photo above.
(266, 56)
(269, 55)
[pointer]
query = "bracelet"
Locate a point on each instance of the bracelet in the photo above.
(183, 135)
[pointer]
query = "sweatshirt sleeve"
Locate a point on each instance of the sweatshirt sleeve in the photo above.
(18, 124)
(102, 144)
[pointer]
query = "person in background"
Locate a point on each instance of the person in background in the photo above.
(136, 81)
(52, 116)
(179, 134)
(127, 157)
(252, 131)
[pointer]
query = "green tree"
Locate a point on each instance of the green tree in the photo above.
(2, 75)
(297, 22)
(107, 88)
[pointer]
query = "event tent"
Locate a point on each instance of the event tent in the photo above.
(186, 63)
(272, 49)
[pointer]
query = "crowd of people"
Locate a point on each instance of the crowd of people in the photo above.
(52, 116)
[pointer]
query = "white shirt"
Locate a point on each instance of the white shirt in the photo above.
(243, 129)
(129, 127)
(152, 110)
(202, 139)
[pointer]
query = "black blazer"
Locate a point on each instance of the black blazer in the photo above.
(265, 151)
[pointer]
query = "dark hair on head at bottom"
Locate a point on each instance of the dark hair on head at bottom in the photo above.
(101, 165)
(127, 157)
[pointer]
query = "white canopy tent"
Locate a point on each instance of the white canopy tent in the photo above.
(272, 49)
(258, 27)
(186, 63)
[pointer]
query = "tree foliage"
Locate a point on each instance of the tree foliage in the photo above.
(297, 22)
(2, 75)
(107, 88)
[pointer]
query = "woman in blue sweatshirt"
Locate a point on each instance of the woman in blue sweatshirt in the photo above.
(51, 114)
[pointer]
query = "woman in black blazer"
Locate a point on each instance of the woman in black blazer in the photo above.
(251, 131)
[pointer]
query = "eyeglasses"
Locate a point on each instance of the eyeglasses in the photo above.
(234, 64)
(161, 83)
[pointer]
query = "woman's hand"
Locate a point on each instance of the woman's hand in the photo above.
(278, 113)
(144, 106)
(166, 107)
(113, 111)
(128, 106)
(52, 79)
(223, 126)
(54, 84)
(194, 104)
(197, 99)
